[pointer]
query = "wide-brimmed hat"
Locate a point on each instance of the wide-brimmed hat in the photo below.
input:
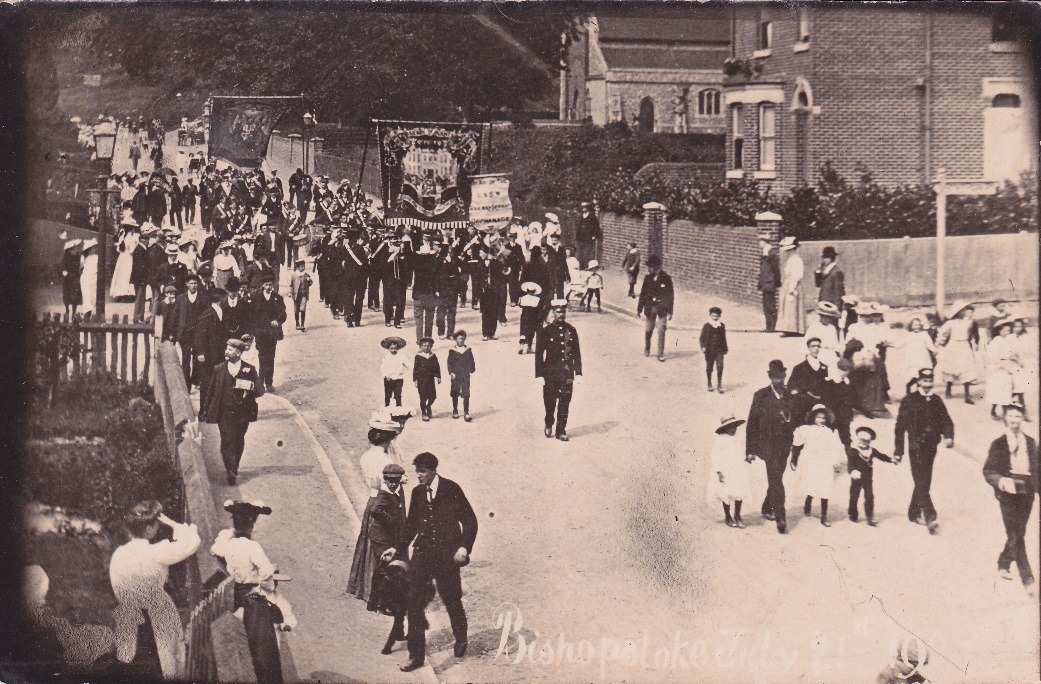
(865, 309)
(394, 339)
(594, 264)
(817, 408)
(128, 221)
(957, 307)
(390, 419)
(998, 325)
(73, 245)
(558, 303)
(185, 241)
(551, 218)
(531, 287)
(726, 421)
(172, 250)
(789, 242)
(89, 244)
(827, 309)
(850, 299)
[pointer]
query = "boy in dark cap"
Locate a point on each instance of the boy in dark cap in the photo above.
(925, 420)
(860, 463)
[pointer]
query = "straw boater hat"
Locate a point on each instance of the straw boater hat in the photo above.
(594, 264)
(788, 243)
(533, 288)
(818, 408)
(957, 307)
(827, 309)
(73, 245)
(865, 309)
(171, 249)
(858, 427)
(726, 421)
(850, 299)
(387, 341)
(390, 419)
(89, 244)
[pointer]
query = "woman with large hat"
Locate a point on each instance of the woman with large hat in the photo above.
(791, 319)
(728, 475)
(825, 329)
(817, 457)
(1002, 366)
(958, 341)
(122, 289)
(384, 427)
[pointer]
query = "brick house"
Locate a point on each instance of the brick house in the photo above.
(659, 69)
(899, 90)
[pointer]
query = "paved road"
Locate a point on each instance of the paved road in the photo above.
(608, 539)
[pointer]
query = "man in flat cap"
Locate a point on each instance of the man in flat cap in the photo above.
(558, 362)
(267, 311)
(772, 420)
(231, 402)
(443, 525)
(255, 580)
(924, 419)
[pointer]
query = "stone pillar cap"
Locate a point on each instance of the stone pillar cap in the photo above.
(764, 216)
(655, 206)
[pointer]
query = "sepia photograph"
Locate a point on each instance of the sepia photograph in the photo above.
(446, 342)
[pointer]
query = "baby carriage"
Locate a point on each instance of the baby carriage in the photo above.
(575, 291)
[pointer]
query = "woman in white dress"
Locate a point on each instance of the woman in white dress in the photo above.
(728, 474)
(121, 288)
(791, 319)
(918, 352)
(225, 266)
(89, 275)
(825, 330)
(1024, 380)
(817, 456)
(1002, 366)
(958, 340)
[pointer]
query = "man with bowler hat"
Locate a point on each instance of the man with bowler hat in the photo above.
(768, 435)
(267, 314)
(924, 419)
(231, 402)
(558, 363)
(443, 525)
(830, 280)
(656, 301)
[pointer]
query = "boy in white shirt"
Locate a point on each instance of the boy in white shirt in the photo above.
(394, 368)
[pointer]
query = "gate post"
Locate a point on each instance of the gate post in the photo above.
(656, 226)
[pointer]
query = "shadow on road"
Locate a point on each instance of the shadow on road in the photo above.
(595, 428)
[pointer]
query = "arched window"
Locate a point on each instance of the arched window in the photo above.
(646, 119)
(1005, 100)
(708, 102)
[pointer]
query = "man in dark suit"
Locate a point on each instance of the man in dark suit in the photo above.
(558, 362)
(172, 271)
(556, 263)
(211, 336)
(444, 527)
(925, 420)
(155, 258)
(1012, 469)
(236, 308)
(656, 300)
(356, 277)
(771, 424)
(231, 403)
(140, 274)
(769, 280)
(830, 280)
(808, 378)
(189, 308)
(267, 314)
(588, 234)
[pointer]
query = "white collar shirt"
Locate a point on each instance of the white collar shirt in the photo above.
(1019, 460)
(433, 486)
(245, 558)
(234, 367)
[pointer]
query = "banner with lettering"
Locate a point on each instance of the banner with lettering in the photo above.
(490, 205)
(240, 127)
(426, 170)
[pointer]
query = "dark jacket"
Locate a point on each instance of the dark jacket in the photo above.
(263, 311)
(187, 315)
(588, 228)
(771, 423)
(237, 319)
(657, 291)
(713, 339)
(211, 337)
(387, 519)
(808, 382)
(224, 403)
(156, 257)
(769, 272)
(924, 419)
(998, 465)
(833, 286)
(558, 356)
(175, 274)
(424, 272)
(139, 266)
(855, 461)
(442, 528)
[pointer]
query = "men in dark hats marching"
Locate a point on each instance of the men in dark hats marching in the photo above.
(1012, 469)
(558, 362)
(231, 395)
(443, 525)
(256, 581)
(771, 425)
(267, 314)
(924, 419)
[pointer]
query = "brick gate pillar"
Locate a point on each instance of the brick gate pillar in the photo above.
(769, 224)
(657, 227)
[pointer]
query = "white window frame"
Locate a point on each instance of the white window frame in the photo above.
(737, 132)
(764, 164)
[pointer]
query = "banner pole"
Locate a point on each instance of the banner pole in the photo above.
(364, 155)
(491, 127)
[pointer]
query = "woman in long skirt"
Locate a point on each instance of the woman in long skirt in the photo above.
(958, 340)
(1024, 381)
(918, 352)
(89, 275)
(122, 289)
(817, 457)
(792, 316)
(1002, 366)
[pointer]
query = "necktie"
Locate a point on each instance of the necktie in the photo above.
(430, 496)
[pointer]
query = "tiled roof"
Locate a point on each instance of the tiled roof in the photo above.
(688, 24)
(665, 58)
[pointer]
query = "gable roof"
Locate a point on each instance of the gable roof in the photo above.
(704, 24)
(708, 59)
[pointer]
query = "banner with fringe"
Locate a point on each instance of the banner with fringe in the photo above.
(426, 169)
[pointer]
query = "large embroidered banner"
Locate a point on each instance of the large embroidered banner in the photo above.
(490, 205)
(240, 127)
(426, 169)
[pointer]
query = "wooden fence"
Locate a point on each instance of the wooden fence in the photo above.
(118, 348)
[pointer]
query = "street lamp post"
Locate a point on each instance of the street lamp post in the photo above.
(308, 127)
(105, 146)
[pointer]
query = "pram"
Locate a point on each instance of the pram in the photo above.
(576, 290)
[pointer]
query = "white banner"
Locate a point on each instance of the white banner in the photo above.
(490, 205)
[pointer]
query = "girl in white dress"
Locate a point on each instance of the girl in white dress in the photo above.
(817, 456)
(126, 244)
(728, 475)
(958, 340)
(918, 351)
(1002, 365)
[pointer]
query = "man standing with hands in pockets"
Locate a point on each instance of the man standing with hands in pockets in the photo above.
(443, 525)
(656, 300)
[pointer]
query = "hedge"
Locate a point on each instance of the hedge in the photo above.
(835, 208)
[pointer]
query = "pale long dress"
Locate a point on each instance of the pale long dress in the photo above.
(1025, 348)
(915, 348)
(359, 580)
(728, 457)
(1001, 368)
(822, 450)
(956, 359)
(121, 286)
(89, 281)
(792, 315)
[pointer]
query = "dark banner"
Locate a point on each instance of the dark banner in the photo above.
(426, 169)
(240, 127)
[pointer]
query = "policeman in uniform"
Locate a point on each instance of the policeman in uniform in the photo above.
(558, 361)
(925, 420)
